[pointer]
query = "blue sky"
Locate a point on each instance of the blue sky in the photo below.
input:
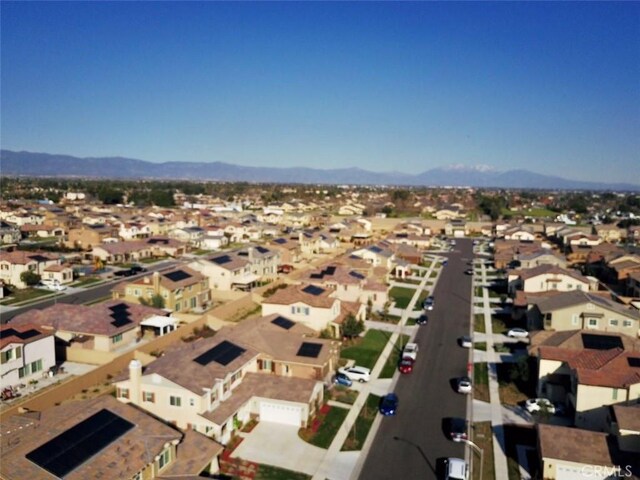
(550, 87)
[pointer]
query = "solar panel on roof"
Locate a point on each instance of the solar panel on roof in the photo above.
(262, 250)
(38, 258)
(153, 241)
(177, 276)
(375, 249)
(357, 275)
(221, 260)
(308, 349)
(10, 332)
(283, 322)
(224, 353)
(73, 447)
(330, 270)
(280, 241)
(313, 290)
(634, 362)
(601, 342)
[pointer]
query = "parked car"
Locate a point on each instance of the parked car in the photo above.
(429, 302)
(138, 269)
(410, 351)
(517, 333)
(405, 365)
(127, 272)
(458, 429)
(285, 268)
(356, 373)
(444, 262)
(421, 320)
(53, 286)
(456, 469)
(464, 385)
(389, 404)
(535, 405)
(465, 341)
(469, 271)
(342, 379)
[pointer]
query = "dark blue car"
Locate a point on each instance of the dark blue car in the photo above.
(342, 379)
(389, 404)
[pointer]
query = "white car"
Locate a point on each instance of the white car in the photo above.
(534, 405)
(464, 385)
(56, 287)
(465, 341)
(356, 373)
(410, 351)
(517, 333)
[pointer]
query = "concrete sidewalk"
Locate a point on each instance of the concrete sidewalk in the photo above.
(339, 465)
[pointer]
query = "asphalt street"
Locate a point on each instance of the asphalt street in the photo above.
(408, 445)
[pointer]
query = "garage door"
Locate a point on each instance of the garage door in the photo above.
(280, 413)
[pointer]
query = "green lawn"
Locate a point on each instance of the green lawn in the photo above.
(418, 305)
(392, 362)
(483, 438)
(361, 427)
(530, 212)
(481, 382)
(401, 296)
(84, 281)
(498, 325)
(367, 349)
(268, 472)
(478, 323)
(24, 296)
(480, 346)
(328, 428)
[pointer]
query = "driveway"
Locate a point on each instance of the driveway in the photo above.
(279, 445)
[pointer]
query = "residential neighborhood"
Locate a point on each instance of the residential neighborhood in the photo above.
(296, 343)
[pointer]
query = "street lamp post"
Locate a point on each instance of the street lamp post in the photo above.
(477, 449)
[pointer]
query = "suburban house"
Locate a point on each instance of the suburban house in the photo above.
(9, 233)
(182, 289)
(94, 334)
(289, 249)
(377, 255)
(541, 257)
(610, 233)
(267, 368)
(316, 307)
(26, 352)
(633, 284)
(191, 235)
(133, 230)
(14, 264)
(239, 269)
(44, 230)
(546, 277)
(578, 310)
(100, 438)
(121, 252)
(88, 236)
(572, 453)
(348, 284)
(413, 239)
(589, 371)
(519, 233)
(312, 242)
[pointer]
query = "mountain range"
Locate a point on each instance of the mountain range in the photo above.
(22, 163)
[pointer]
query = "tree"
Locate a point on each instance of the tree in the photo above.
(30, 278)
(352, 327)
(156, 301)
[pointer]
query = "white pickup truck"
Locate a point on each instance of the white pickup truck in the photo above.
(410, 351)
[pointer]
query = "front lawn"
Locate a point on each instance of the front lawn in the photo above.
(517, 381)
(343, 394)
(324, 427)
(478, 323)
(84, 281)
(401, 296)
(483, 438)
(358, 434)
(480, 382)
(25, 295)
(366, 350)
(482, 346)
(420, 302)
(269, 472)
(498, 325)
(392, 362)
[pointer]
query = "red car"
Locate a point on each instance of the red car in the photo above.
(405, 365)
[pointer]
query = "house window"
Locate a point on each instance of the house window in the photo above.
(574, 319)
(36, 366)
(116, 338)
(177, 306)
(266, 365)
(136, 292)
(627, 323)
(193, 302)
(6, 356)
(593, 322)
(175, 401)
(123, 392)
(578, 287)
(192, 402)
(613, 322)
(614, 394)
(164, 459)
(148, 397)
(236, 376)
(306, 310)
(293, 309)
(24, 371)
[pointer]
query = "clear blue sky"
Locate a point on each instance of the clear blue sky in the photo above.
(550, 87)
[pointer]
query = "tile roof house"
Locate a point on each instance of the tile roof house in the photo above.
(548, 277)
(583, 310)
(268, 367)
(86, 237)
(100, 439)
(624, 421)
(26, 353)
(182, 289)
(91, 334)
(14, 264)
(573, 453)
(589, 371)
(541, 257)
(315, 307)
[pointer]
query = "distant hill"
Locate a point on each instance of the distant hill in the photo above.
(44, 164)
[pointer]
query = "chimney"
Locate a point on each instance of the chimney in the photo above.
(135, 377)
(156, 282)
